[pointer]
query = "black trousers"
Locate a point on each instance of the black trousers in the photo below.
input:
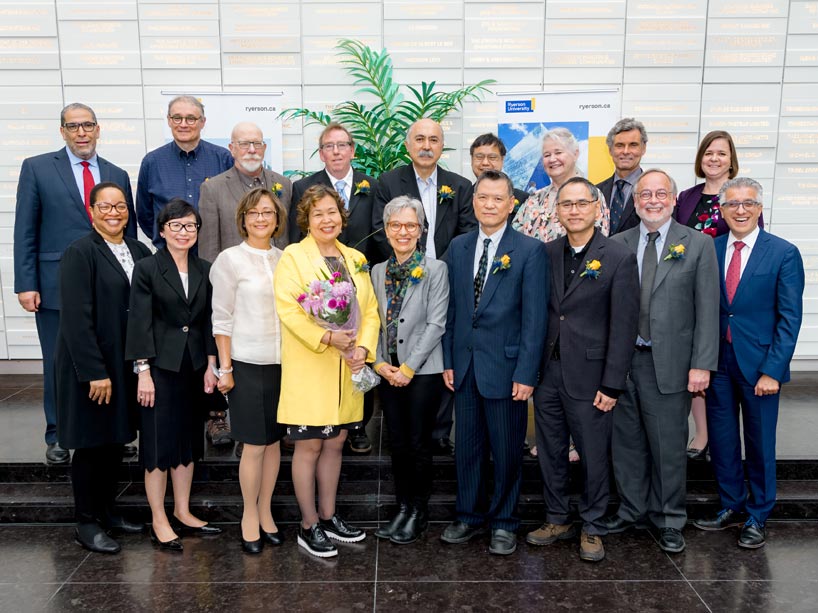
(94, 479)
(409, 413)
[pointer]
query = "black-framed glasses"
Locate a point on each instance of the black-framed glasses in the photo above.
(88, 126)
(252, 216)
(734, 204)
(189, 120)
(342, 146)
(582, 205)
(105, 207)
(659, 194)
(396, 226)
(178, 226)
(244, 145)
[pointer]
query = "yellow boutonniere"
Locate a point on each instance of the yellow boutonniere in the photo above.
(675, 252)
(445, 193)
(361, 265)
(593, 268)
(362, 188)
(278, 189)
(417, 274)
(501, 263)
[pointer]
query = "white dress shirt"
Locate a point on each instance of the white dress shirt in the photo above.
(428, 196)
(478, 250)
(749, 242)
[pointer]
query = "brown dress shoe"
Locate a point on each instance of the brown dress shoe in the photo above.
(217, 429)
(550, 533)
(591, 548)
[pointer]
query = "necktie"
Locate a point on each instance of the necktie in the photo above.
(732, 278)
(480, 277)
(617, 204)
(340, 187)
(87, 186)
(648, 275)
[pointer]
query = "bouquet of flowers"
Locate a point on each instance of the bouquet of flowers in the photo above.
(332, 304)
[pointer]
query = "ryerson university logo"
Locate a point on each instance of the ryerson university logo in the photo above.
(520, 106)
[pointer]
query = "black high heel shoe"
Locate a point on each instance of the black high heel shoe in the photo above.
(252, 546)
(172, 545)
(181, 528)
(274, 538)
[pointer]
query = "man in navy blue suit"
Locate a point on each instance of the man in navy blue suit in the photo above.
(495, 333)
(762, 285)
(52, 212)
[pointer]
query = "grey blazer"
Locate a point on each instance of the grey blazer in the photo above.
(218, 199)
(684, 307)
(422, 319)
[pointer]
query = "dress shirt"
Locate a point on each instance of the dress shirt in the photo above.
(630, 183)
(478, 251)
(640, 253)
(749, 242)
(169, 172)
(428, 196)
(123, 255)
(573, 262)
(244, 306)
(347, 179)
(76, 168)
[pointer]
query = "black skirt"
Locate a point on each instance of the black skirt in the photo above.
(253, 403)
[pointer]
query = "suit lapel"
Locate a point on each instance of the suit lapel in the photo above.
(676, 235)
(756, 257)
(721, 250)
(194, 277)
(505, 247)
(468, 267)
(106, 252)
(63, 166)
(170, 273)
(443, 208)
(596, 251)
(557, 269)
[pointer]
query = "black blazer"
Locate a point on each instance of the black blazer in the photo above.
(359, 218)
(595, 320)
(91, 345)
(454, 217)
(163, 322)
(629, 217)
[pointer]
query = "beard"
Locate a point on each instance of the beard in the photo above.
(251, 164)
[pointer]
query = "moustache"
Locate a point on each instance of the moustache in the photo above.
(425, 153)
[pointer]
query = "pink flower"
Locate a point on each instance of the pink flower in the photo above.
(336, 275)
(301, 298)
(332, 303)
(342, 304)
(315, 287)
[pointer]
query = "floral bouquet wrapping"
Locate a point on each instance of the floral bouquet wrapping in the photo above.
(332, 304)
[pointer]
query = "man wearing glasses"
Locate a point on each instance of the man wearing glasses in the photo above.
(676, 349)
(52, 212)
(220, 195)
(487, 153)
(178, 169)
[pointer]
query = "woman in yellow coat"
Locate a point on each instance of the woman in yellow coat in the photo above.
(318, 403)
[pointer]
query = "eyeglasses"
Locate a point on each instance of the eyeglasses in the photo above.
(177, 226)
(339, 146)
(254, 215)
(734, 204)
(491, 157)
(85, 125)
(244, 145)
(396, 226)
(582, 205)
(189, 120)
(659, 194)
(105, 207)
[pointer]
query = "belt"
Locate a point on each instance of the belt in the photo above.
(643, 348)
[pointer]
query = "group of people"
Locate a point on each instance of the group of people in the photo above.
(607, 305)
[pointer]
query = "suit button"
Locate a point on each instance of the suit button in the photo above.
(185, 328)
(400, 340)
(729, 315)
(401, 320)
(562, 317)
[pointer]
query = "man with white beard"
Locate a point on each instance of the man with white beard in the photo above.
(220, 195)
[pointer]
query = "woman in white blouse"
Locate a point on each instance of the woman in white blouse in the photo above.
(248, 338)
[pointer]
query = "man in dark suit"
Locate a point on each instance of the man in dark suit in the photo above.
(52, 212)
(593, 313)
(219, 196)
(762, 286)
(498, 281)
(627, 142)
(336, 148)
(487, 153)
(446, 196)
(676, 349)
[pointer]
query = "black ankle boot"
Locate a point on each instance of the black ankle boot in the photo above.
(385, 532)
(412, 529)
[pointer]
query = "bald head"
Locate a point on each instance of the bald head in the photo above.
(424, 143)
(247, 147)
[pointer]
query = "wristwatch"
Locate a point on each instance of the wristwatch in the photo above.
(140, 366)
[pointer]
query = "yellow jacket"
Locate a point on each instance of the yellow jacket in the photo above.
(316, 384)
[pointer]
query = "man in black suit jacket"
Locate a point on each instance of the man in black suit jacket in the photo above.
(52, 212)
(627, 142)
(336, 148)
(487, 152)
(446, 196)
(593, 313)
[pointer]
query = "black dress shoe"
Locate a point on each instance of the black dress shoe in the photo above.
(359, 441)
(256, 546)
(697, 454)
(315, 541)
(273, 538)
(443, 446)
(93, 538)
(385, 532)
(411, 530)
(726, 518)
(117, 523)
(671, 540)
(753, 535)
(183, 529)
(54, 454)
(171, 545)
(615, 524)
(459, 532)
(503, 542)
(336, 528)
(129, 451)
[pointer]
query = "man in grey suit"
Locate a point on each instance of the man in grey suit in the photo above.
(220, 195)
(677, 347)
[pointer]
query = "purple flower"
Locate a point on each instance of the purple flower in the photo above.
(332, 303)
(301, 298)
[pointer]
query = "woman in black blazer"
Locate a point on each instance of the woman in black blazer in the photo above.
(96, 388)
(171, 342)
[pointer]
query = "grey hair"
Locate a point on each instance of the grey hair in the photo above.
(673, 189)
(742, 182)
(626, 124)
(562, 136)
(592, 189)
(190, 100)
(74, 106)
(400, 203)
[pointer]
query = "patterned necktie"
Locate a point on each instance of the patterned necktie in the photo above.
(732, 278)
(480, 277)
(618, 204)
(340, 187)
(648, 275)
(87, 186)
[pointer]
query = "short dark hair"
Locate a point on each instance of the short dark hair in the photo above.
(176, 209)
(92, 198)
(592, 189)
(706, 142)
(74, 106)
(310, 198)
(488, 140)
(495, 175)
(250, 200)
